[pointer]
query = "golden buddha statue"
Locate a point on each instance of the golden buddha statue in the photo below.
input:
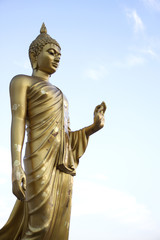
(44, 189)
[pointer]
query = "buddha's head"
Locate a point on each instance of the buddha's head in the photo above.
(44, 51)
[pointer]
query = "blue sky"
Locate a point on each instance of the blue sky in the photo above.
(111, 53)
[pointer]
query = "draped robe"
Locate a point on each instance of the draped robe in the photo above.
(52, 155)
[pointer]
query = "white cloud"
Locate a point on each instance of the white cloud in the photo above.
(25, 65)
(154, 4)
(93, 198)
(131, 61)
(96, 73)
(5, 169)
(6, 206)
(149, 52)
(134, 60)
(7, 199)
(101, 177)
(138, 24)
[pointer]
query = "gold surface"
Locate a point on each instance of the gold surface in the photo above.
(44, 188)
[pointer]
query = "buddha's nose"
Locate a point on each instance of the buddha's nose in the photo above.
(57, 59)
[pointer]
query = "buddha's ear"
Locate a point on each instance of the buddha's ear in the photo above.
(34, 65)
(33, 60)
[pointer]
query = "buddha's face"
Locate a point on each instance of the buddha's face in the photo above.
(48, 59)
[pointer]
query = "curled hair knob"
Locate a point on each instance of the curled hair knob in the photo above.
(43, 29)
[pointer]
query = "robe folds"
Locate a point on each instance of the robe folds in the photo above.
(51, 157)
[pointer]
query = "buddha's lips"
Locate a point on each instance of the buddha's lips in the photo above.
(55, 65)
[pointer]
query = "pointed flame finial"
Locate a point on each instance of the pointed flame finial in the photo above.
(43, 29)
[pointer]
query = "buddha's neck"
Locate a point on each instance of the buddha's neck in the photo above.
(40, 74)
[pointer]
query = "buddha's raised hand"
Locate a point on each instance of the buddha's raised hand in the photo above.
(99, 116)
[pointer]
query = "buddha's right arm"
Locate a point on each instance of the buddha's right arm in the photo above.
(18, 96)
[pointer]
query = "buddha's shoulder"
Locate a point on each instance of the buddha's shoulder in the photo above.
(21, 81)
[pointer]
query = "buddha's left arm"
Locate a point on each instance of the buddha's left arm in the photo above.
(79, 139)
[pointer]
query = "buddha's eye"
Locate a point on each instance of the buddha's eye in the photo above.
(51, 52)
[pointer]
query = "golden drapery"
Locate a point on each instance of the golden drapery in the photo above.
(52, 155)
